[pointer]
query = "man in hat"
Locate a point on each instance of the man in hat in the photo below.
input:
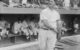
(49, 18)
(66, 4)
(13, 3)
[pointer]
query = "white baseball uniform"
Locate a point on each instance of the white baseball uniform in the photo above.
(47, 38)
(17, 27)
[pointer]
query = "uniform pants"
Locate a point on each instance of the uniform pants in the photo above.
(47, 39)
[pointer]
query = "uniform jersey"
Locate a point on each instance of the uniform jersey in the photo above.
(3, 31)
(51, 16)
(17, 27)
(47, 38)
(24, 28)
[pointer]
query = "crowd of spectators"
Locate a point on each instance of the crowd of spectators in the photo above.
(42, 3)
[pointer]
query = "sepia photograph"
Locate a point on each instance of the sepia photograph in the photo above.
(39, 24)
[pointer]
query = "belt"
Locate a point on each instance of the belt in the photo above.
(45, 28)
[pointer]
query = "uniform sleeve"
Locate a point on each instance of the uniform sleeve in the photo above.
(42, 16)
(58, 16)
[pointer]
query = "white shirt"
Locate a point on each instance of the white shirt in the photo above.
(24, 24)
(67, 3)
(24, 1)
(3, 32)
(24, 28)
(17, 27)
(51, 16)
(2, 23)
